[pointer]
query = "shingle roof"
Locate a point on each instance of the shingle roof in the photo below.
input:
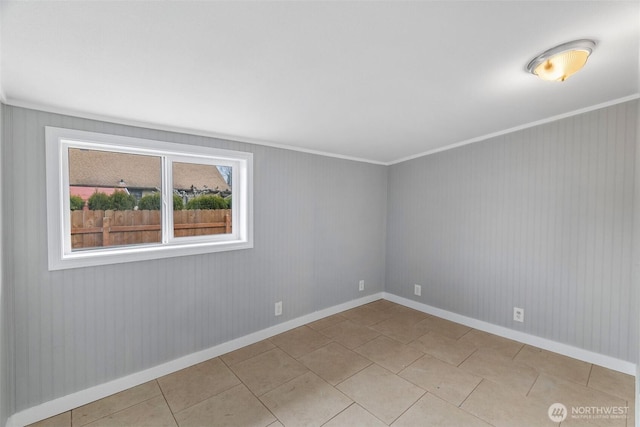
(106, 169)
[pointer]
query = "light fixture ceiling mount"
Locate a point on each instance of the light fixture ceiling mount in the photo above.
(561, 62)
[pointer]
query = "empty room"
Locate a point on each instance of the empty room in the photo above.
(319, 213)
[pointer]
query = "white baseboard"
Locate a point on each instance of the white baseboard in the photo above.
(637, 415)
(74, 400)
(557, 347)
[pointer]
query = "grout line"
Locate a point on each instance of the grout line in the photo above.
(280, 385)
(355, 373)
(167, 402)
(265, 407)
(466, 333)
(241, 348)
(589, 376)
(247, 387)
(315, 349)
(474, 389)
(532, 384)
(123, 409)
(209, 397)
(114, 412)
(410, 406)
(468, 357)
(336, 415)
(518, 352)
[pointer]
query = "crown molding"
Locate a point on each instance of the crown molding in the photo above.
(518, 128)
(235, 138)
(177, 129)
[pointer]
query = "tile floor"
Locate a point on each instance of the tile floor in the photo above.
(376, 365)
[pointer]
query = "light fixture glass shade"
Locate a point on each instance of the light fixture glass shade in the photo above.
(562, 61)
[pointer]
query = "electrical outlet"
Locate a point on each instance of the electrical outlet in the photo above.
(518, 314)
(417, 290)
(361, 285)
(278, 308)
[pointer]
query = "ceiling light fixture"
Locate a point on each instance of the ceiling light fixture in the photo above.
(561, 62)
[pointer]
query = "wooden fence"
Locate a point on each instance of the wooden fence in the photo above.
(90, 229)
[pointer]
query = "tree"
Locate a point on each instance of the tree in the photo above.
(207, 202)
(122, 201)
(99, 202)
(151, 202)
(76, 203)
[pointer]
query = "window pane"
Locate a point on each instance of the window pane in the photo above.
(114, 199)
(201, 199)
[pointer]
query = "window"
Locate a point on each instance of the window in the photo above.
(113, 199)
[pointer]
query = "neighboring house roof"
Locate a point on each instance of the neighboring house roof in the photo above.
(106, 169)
(186, 175)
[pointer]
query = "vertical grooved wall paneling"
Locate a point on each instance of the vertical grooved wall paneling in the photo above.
(636, 258)
(319, 227)
(540, 219)
(6, 329)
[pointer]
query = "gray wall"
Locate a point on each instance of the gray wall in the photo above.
(6, 380)
(636, 262)
(540, 219)
(319, 228)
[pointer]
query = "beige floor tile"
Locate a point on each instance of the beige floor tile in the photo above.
(334, 363)
(381, 392)
(366, 316)
(574, 395)
(481, 339)
(554, 364)
(151, 413)
(355, 415)
(326, 322)
(433, 411)
(300, 341)
(305, 401)
(499, 407)
(60, 420)
(444, 348)
(350, 334)
(448, 375)
(268, 370)
(114, 403)
(382, 305)
(390, 354)
(406, 313)
(445, 381)
(443, 327)
(403, 328)
(492, 365)
(196, 383)
(234, 407)
(612, 382)
(577, 422)
(247, 352)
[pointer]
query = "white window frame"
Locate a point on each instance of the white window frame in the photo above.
(61, 256)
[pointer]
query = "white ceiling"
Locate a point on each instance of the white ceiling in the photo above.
(380, 81)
